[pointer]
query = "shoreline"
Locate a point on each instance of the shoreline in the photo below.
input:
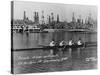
(70, 30)
(62, 30)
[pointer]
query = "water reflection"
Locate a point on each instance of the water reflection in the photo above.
(69, 52)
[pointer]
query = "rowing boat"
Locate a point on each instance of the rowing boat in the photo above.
(64, 46)
(86, 44)
(49, 47)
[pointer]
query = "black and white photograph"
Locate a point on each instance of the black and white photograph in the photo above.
(53, 37)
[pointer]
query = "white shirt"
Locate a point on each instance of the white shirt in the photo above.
(52, 43)
(70, 42)
(61, 43)
(79, 42)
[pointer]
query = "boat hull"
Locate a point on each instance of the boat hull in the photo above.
(49, 47)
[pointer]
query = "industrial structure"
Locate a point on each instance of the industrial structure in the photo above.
(79, 23)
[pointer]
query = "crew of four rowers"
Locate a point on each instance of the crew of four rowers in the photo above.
(62, 43)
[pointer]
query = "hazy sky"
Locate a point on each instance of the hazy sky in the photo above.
(64, 10)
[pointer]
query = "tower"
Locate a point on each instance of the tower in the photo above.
(24, 15)
(82, 21)
(73, 17)
(52, 17)
(89, 18)
(57, 18)
(37, 17)
(49, 19)
(42, 17)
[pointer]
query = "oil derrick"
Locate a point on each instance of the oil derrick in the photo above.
(49, 19)
(82, 21)
(37, 17)
(85, 20)
(24, 18)
(89, 19)
(42, 17)
(79, 19)
(52, 21)
(73, 18)
(90, 22)
(74, 25)
(52, 17)
(57, 18)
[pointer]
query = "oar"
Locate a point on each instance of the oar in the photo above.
(64, 47)
(41, 45)
(84, 45)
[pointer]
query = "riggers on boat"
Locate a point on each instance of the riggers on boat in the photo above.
(75, 45)
(64, 46)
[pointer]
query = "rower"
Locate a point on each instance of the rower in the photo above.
(70, 43)
(62, 43)
(79, 42)
(52, 43)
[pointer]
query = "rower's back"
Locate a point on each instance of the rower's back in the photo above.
(79, 42)
(52, 43)
(70, 43)
(61, 43)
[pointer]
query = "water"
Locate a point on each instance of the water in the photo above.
(32, 40)
(76, 59)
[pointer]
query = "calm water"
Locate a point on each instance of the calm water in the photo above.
(36, 39)
(77, 59)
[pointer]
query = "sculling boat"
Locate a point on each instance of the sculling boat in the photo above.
(57, 47)
(65, 46)
(49, 47)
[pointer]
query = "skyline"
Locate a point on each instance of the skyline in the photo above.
(65, 11)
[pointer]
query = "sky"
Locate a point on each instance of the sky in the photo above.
(65, 11)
